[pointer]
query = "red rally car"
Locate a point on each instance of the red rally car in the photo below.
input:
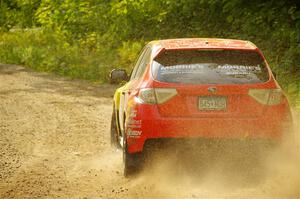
(197, 88)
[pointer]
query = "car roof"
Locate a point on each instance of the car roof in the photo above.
(205, 43)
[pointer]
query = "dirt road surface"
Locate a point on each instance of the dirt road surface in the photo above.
(54, 143)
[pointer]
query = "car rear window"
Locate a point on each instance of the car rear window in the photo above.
(210, 67)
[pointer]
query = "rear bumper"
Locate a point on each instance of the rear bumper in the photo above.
(146, 124)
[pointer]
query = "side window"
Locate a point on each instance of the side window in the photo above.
(137, 63)
(143, 63)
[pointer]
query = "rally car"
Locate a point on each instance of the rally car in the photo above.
(196, 88)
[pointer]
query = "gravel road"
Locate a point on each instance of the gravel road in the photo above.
(54, 141)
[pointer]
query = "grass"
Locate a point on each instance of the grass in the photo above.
(91, 59)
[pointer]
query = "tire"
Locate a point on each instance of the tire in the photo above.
(131, 162)
(113, 131)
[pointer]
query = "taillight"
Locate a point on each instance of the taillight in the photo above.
(147, 96)
(156, 95)
(266, 96)
(164, 94)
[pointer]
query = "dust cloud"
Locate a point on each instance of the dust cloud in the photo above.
(225, 170)
(283, 166)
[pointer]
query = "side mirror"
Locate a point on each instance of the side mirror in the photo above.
(118, 75)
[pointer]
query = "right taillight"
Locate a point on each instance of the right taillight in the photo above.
(266, 96)
(156, 95)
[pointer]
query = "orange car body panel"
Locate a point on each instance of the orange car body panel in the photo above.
(179, 117)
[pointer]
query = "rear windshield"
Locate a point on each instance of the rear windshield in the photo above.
(210, 67)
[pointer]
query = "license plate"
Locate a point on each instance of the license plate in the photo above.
(209, 103)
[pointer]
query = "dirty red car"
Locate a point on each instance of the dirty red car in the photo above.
(197, 88)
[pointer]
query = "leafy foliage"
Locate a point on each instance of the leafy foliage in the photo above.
(86, 38)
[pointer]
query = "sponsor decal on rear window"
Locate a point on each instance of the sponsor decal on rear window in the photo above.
(210, 67)
(239, 69)
(192, 68)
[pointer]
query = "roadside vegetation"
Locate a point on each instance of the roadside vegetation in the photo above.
(87, 38)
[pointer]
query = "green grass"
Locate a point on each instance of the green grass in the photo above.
(46, 51)
(92, 59)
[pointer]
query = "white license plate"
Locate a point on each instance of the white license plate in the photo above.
(212, 103)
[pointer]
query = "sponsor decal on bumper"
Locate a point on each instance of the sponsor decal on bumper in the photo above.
(133, 133)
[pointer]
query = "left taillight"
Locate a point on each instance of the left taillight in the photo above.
(156, 95)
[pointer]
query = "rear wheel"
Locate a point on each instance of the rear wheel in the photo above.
(113, 131)
(131, 162)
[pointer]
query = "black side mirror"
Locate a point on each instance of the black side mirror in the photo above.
(118, 75)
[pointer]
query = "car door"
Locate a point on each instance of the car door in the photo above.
(135, 77)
